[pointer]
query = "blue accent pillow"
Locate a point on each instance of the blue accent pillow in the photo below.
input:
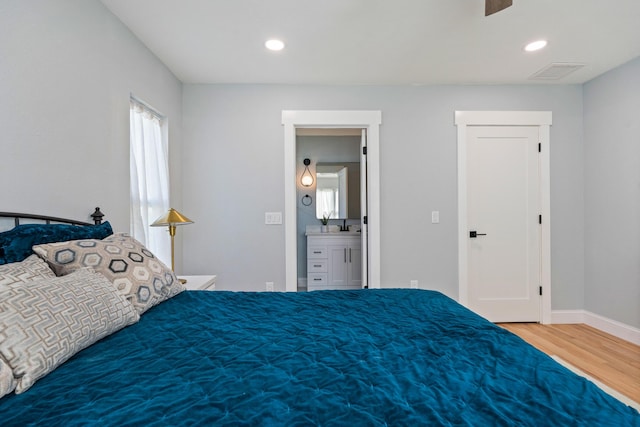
(15, 244)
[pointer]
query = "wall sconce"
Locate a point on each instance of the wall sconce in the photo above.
(306, 179)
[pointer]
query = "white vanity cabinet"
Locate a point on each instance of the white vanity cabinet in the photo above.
(334, 261)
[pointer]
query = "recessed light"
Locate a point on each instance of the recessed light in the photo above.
(536, 45)
(274, 44)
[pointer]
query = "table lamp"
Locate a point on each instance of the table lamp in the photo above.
(172, 219)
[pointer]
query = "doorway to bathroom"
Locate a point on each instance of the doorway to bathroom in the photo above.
(336, 122)
(331, 174)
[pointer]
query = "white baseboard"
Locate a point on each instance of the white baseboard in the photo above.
(613, 327)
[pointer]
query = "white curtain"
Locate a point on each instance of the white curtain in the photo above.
(149, 170)
(326, 203)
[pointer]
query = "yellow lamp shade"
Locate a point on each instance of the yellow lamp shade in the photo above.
(172, 217)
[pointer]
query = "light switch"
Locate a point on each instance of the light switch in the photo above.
(273, 218)
(435, 217)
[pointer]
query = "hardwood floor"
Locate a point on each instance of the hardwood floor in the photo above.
(611, 360)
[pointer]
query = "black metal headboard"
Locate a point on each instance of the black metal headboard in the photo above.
(96, 215)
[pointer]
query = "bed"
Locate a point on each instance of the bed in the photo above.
(389, 357)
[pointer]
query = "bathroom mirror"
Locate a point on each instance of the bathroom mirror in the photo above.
(338, 190)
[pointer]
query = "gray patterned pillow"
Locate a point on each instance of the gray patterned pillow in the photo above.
(7, 382)
(45, 323)
(25, 271)
(131, 267)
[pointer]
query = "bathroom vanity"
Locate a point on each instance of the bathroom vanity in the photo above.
(334, 260)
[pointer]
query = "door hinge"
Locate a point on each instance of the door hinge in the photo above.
(539, 219)
(364, 150)
(364, 220)
(540, 290)
(539, 147)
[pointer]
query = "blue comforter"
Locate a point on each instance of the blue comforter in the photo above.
(341, 358)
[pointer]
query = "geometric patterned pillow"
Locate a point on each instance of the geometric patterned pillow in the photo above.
(141, 277)
(7, 382)
(46, 322)
(30, 269)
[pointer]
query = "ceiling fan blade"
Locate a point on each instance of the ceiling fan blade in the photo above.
(493, 6)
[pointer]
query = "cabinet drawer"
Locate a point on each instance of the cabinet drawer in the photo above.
(316, 280)
(317, 252)
(317, 266)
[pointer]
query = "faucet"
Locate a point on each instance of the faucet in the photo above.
(344, 226)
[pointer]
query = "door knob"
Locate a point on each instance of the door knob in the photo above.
(474, 234)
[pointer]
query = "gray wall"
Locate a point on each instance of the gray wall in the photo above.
(612, 199)
(233, 173)
(67, 68)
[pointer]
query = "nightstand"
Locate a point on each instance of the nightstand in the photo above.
(202, 283)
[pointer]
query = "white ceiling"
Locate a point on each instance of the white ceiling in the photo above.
(381, 41)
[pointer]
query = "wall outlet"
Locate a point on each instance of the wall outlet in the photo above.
(414, 284)
(269, 286)
(435, 217)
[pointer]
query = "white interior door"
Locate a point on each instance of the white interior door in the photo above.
(363, 209)
(503, 236)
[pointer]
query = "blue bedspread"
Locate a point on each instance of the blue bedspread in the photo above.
(332, 358)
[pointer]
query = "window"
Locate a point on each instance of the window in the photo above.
(149, 170)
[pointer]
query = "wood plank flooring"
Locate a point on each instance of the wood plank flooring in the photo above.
(611, 360)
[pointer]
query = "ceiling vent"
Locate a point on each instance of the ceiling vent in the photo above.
(556, 71)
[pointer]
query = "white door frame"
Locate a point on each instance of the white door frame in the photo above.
(542, 119)
(364, 230)
(370, 120)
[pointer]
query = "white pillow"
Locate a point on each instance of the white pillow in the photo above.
(46, 322)
(25, 271)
